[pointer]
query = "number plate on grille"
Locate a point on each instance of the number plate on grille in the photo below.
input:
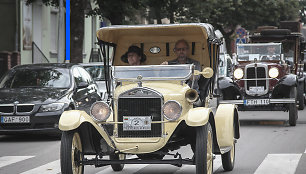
(15, 119)
(136, 123)
(254, 102)
(256, 89)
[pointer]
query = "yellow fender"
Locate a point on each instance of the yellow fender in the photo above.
(224, 120)
(198, 116)
(72, 119)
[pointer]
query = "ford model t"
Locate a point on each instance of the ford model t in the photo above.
(150, 110)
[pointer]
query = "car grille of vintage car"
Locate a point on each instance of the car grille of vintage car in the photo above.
(140, 102)
(19, 108)
(256, 72)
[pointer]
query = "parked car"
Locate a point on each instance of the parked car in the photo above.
(262, 80)
(32, 97)
(150, 111)
(96, 70)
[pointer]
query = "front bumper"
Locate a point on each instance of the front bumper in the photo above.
(272, 101)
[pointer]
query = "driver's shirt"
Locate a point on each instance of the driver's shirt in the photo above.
(197, 67)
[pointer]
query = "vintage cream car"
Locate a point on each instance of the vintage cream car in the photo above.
(150, 111)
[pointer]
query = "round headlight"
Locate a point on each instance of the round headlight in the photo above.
(172, 110)
(238, 73)
(100, 111)
(273, 72)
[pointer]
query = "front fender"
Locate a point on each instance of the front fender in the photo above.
(73, 119)
(288, 80)
(225, 119)
(198, 116)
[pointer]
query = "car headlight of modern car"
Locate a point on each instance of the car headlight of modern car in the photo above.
(238, 73)
(51, 107)
(172, 110)
(273, 72)
(100, 111)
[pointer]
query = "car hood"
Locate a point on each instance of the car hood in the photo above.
(31, 95)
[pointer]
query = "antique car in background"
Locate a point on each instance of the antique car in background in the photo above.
(293, 46)
(261, 80)
(96, 70)
(33, 97)
(150, 109)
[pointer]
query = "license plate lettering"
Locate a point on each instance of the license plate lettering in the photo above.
(136, 123)
(256, 102)
(15, 119)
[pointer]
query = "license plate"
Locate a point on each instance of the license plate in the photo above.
(254, 102)
(136, 123)
(15, 119)
(256, 89)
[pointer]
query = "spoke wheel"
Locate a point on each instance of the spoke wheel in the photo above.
(293, 113)
(117, 167)
(228, 159)
(204, 150)
(301, 96)
(71, 153)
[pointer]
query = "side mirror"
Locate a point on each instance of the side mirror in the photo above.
(82, 85)
(207, 72)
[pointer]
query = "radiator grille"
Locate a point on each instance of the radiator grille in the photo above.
(140, 107)
(253, 73)
(6, 109)
(25, 108)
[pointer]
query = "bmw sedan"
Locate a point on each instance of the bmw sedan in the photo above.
(33, 97)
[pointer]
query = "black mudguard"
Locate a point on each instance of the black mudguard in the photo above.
(283, 86)
(229, 88)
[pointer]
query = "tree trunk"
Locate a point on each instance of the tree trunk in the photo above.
(77, 30)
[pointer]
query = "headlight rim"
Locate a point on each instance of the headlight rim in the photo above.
(271, 69)
(179, 114)
(238, 69)
(55, 103)
(94, 118)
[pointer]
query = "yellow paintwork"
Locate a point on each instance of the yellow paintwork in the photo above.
(71, 120)
(224, 120)
(161, 36)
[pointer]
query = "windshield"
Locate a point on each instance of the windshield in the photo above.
(260, 52)
(48, 78)
(96, 72)
(153, 72)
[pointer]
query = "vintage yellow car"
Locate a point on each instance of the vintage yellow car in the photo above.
(150, 111)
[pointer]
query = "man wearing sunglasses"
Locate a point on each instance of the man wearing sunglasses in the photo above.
(181, 50)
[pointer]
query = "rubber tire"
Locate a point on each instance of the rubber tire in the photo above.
(293, 113)
(301, 96)
(116, 167)
(228, 162)
(65, 153)
(201, 156)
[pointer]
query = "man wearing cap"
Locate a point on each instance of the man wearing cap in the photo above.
(134, 56)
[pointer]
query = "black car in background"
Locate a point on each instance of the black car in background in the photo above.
(33, 97)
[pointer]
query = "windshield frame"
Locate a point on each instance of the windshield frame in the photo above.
(189, 67)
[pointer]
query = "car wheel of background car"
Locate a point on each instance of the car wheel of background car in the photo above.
(301, 96)
(293, 113)
(71, 153)
(150, 156)
(204, 150)
(117, 167)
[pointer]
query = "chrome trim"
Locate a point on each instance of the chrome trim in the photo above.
(278, 101)
(12, 105)
(94, 118)
(179, 113)
(115, 114)
(252, 65)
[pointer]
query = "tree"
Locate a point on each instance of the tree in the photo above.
(227, 15)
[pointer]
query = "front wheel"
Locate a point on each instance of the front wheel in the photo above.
(228, 159)
(293, 113)
(204, 150)
(117, 167)
(71, 153)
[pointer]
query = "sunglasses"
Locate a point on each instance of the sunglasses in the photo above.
(180, 49)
